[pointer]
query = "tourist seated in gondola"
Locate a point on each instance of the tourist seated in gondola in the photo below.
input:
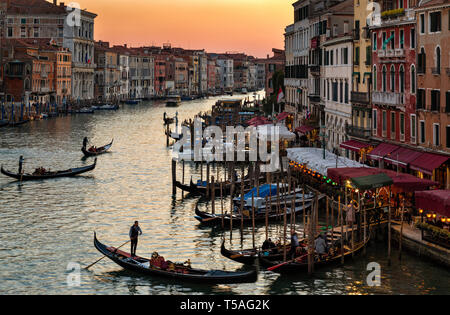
(320, 245)
(269, 245)
(93, 149)
(158, 261)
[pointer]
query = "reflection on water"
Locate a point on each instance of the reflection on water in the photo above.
(47, 224)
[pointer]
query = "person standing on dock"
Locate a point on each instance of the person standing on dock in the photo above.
(20, 164)
(135, 231)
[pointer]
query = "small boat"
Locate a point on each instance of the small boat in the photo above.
(173, 101)
(85, 110)
(216, 219)
(3, 123)
(19, 123)
(98, 151)
(48, 174)
(249, 256)
(132, 102)
(301, 265)
(108, 107)
(177, 271)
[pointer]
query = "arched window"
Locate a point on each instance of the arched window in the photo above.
(413, 79)
(384, 79)
(375, 83)
(392, 78)
(438, 59)
(402, 79)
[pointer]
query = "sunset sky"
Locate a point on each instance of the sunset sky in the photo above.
(250, 26)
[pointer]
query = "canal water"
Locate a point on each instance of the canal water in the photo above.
(47, 227)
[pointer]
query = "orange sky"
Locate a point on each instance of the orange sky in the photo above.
(250, 26)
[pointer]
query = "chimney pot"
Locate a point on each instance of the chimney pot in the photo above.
(55, 2)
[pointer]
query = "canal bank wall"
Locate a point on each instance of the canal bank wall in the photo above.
(413, 243)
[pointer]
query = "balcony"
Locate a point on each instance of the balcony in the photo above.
(314, 98)
(360, 97)
(436, 71)
(399, 52)
(388, 98)
(358, 132)
(390, 53)
(381, 53)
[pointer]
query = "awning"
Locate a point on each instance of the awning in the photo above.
(437, 201)
(372, 181)
(354, 145)
(305, 129)
(282, 116)
(428, 162)
(382, 151)
(402, 157)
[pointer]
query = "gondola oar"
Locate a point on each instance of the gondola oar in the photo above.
(105, 256)
(286, 262)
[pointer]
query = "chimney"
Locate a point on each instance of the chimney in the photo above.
(55, 2)
(125, 45)
(345, 27)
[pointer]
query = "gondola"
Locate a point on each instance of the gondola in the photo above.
(18, 123)
(302, 265)
(3, 123)
(216, 219)
(249, 256)
(99, 151)
(67, 173)
(179, 271)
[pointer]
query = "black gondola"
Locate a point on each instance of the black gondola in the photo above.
(98, 151)
(302, 265)
(47, 175)
(179, 271)
(216, 219)
(18, 123)
(3, 123)
(249, 256)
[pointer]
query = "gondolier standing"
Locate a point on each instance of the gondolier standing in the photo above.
(135, 231)
(20, 164)
(85, 142)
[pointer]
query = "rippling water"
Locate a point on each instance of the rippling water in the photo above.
(45, 225)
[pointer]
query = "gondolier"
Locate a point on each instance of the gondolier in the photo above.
(135, 231)
(20, 164)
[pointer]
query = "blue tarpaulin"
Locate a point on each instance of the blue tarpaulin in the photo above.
(264, 191)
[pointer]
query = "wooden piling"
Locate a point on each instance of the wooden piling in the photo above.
(213, 196)
(174, 177)
(208, 187)
(389, 228)
(342, 228)
(253, 219)
(267, 221)
(221, 205)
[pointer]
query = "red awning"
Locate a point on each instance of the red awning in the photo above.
(304, 129)
(282, 116)
(382, 151)
(354, 145)
(428, 162)
(405, 182)
(437, 201)
(402, 157)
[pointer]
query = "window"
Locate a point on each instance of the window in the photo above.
(356, 56)
(413, 128)
(375, 83)
(402, 39)
(413, 38)
(438, 61)
(422, 24)
(384, 79)
(448, 136)
(36, 21)
(384, 122)
(374, 41)
(341, 94)
(422, 131)
(435, 22)
(435, 100)
(368, 56)
(421, 61)
(384, 40)
(23, 21)
(10, 32)
(436, 140)
(392, 78)
(345, 56)
(402, 79)
(392, 41)
(23, 32)
(447, 102)
(335, 91)
(392, 124)
(36, 32)
(374, 115)
(402, 126)
(346, 93)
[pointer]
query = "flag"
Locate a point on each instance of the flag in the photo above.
(280, 95)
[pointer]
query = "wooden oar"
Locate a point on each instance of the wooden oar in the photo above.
(105, 256)
(287, 262)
